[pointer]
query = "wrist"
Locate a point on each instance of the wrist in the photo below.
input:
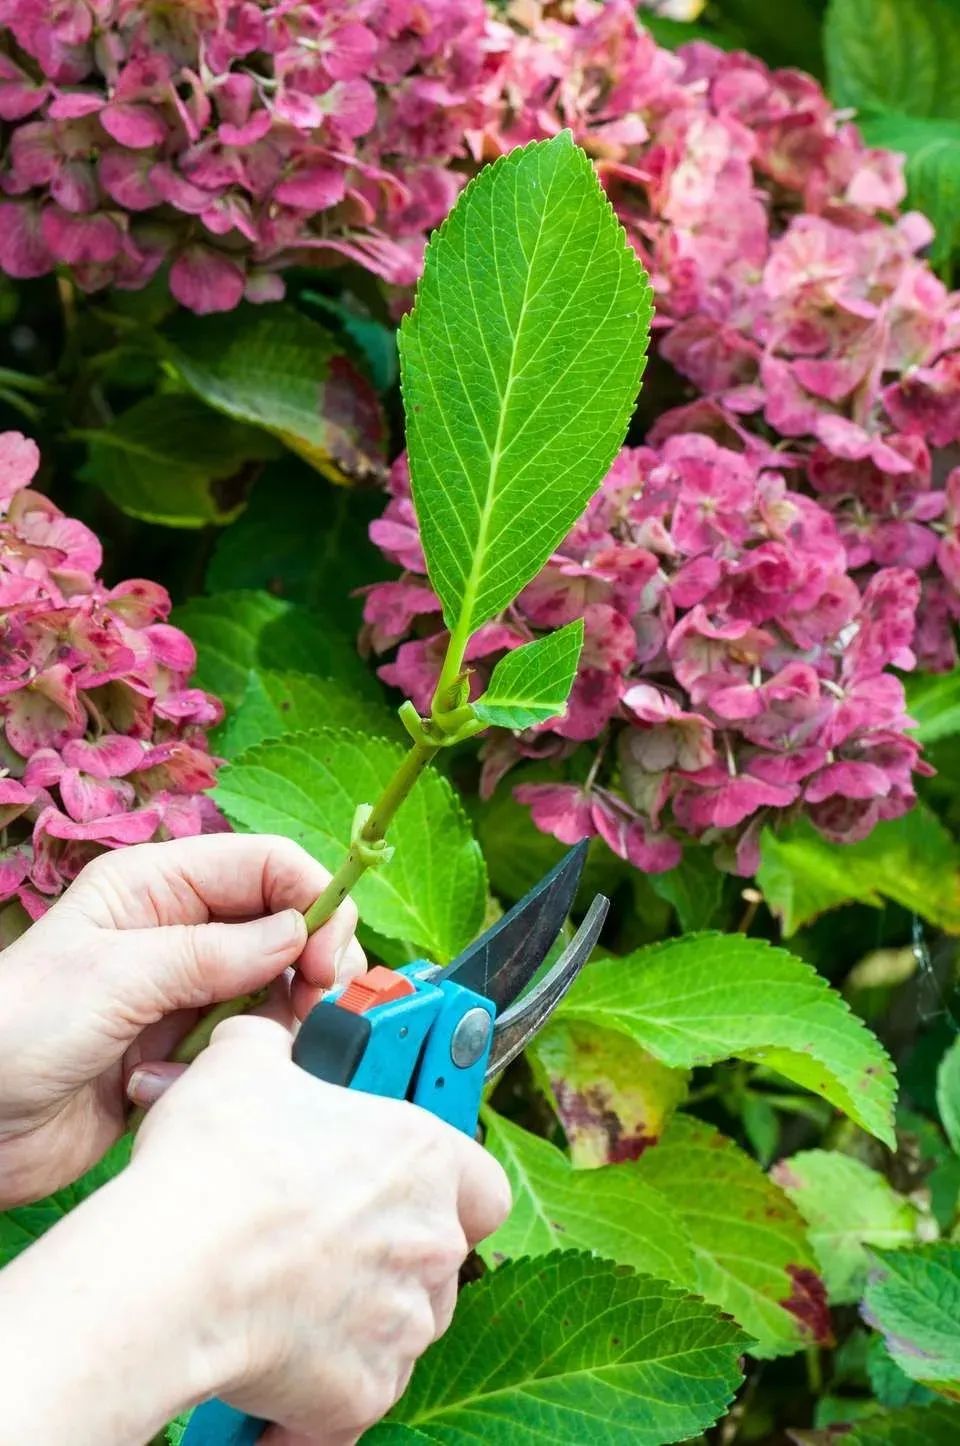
(104, 1309)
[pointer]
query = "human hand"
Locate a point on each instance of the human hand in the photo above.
(330, 1226)
(116, 972)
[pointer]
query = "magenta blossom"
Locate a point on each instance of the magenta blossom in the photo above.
(104, 742)
(734, 673)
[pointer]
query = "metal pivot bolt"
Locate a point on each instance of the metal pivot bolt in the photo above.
(470, 1038)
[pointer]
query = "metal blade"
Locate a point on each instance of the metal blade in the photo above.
(521, 1020)
(501, 963)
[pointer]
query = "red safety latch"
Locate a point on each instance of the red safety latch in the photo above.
(377, 986)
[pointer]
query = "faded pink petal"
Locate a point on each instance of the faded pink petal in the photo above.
(205, 281)
(558, 809)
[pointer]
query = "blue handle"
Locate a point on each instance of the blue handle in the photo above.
(430, 1047)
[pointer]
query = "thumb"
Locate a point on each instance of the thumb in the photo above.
(188, 966)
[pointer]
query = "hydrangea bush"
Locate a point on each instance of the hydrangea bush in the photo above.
(104, 741)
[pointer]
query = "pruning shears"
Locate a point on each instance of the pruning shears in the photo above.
(434, 1036)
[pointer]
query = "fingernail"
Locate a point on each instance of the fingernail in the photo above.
(147, 1083)
(350, 961)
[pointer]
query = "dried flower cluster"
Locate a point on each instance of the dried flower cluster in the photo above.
(232, 138)
(103, 741)
(733, 669)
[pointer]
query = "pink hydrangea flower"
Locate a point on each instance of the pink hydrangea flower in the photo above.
(734, 673)
(104, 742)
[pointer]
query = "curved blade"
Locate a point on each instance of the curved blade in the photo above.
(501, 963)
(520, 1022)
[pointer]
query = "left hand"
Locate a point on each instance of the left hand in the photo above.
(118, 969)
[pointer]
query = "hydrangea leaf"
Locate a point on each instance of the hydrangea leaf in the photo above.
(611, 1212)
(24, 1224)
(948, 1094)
(236, 631)
(279, 703)
(932, 148)
(694, 888)
(567, 1349)
(913, 1298)
(170, 459)
(891, 1385)
(706, 997)
(280, 370)
(749, 1240)
(897, 55)
(176, 1430)
(433, 891)
(933, 699)
(612, 1098)
(520, 364)
(934, 1425)
(531, 684)
(912, 860)
(847, 1206)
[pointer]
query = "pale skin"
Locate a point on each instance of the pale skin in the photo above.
(287, 1245)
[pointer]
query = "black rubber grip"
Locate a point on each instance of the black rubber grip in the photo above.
(331, 1043)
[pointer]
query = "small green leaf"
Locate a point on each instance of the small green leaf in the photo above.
(913, 1298)
(706, 997)
(278, 369)
(566, 1349)
(912, 860)
(24, 1224)
(761, 1125)
(432, 892)
(890, 1385)
(177, 1429)
(611, 1211)
(531, 685)
(948, 1095)
(235, 632)
(933, 699)
(170, 459)
(749, 1241)
(612, 1098)
(279, 703)
(934, 1425)
(694, 888)
(897, 55)
(847, 1206)
(520, 365)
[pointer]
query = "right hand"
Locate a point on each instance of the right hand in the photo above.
(323, 1231)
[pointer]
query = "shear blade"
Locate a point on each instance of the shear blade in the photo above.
(501, 963)
(521, 1020)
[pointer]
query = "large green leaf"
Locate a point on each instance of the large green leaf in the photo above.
(279, 703)
(278, 369)
(933, 699)
(612, 1098)
(750, 1243)
(897, 55)
(705, 997)
(891, 1385)
(912, 860)
(531, 684)
(948, 1094)
(847, 1206)
(237, 631)
(610, 1212)
(932, 148)
(170, 459)
(23, 1225)
(567, 1350)
(520, 365)
(936, 1425)
(913, 1297)
(432, 892)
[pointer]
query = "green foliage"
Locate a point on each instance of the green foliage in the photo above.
(933, 702)
(948, 1094)
(703, 998)
(912, 860)
(890, 1385)
(936, 1425)
(236, 631)
(610, 1212)
(169, 459)
(432, 893)
(932, 149)
(278, 369)
(520, 365)
(612, 1098)
(279, 703)
(694, 888)
(913, 1297)
(569, 1349)
(24, 1224)
(531, 684)
(749, 1241)
(847, 1206)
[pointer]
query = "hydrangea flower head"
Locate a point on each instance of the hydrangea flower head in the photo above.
(104, 742)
